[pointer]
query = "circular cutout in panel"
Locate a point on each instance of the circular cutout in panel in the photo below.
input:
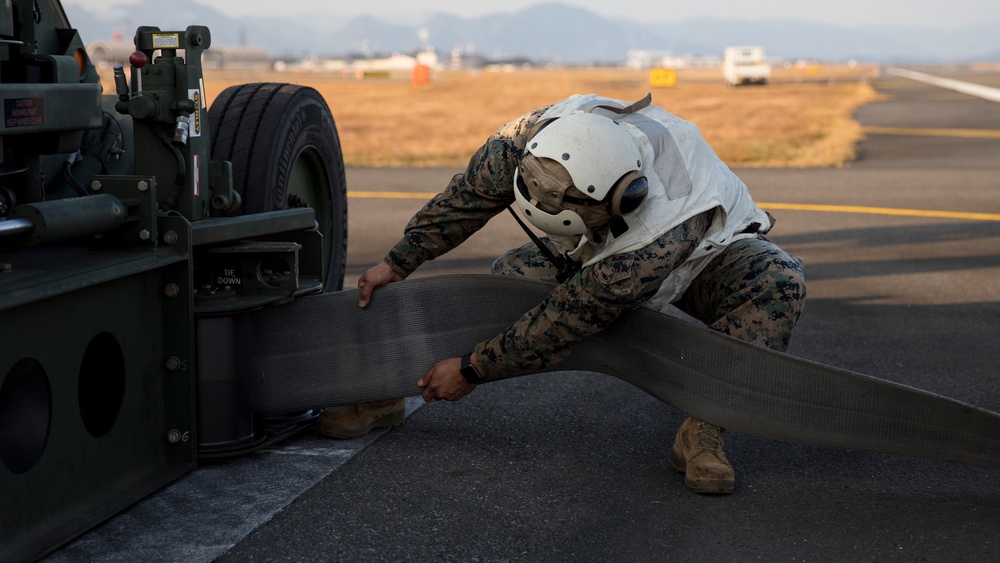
(25, 415)
(102, 384)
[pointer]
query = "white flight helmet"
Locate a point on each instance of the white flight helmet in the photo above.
(603, 164)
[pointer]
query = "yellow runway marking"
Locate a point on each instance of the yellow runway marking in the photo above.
(390, 195)
(788, 206)
(884, 211)
(970, 133)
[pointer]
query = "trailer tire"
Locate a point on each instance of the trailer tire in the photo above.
(285, 152)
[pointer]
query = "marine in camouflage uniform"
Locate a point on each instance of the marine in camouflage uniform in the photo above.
(752, 290)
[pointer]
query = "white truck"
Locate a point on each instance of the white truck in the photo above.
(745, 65)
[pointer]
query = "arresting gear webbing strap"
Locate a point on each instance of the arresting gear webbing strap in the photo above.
(324, 350)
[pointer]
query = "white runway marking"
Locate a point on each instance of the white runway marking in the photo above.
(978, 90)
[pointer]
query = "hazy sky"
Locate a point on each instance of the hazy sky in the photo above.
(932, 13)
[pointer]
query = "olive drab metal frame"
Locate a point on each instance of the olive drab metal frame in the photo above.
(120, 242)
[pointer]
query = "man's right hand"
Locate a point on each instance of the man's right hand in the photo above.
(376, 276)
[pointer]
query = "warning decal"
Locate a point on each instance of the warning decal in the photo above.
(23, 112)
(166, 41)
(196, 97)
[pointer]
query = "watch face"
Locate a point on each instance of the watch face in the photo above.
(470, 373)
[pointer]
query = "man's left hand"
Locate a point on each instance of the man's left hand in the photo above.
(445, 381)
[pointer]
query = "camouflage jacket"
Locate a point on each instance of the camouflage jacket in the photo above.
(584, 304)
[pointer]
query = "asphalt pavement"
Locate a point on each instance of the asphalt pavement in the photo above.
(902, 254)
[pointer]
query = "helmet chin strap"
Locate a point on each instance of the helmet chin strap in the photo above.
(565, 266)
(631, 108)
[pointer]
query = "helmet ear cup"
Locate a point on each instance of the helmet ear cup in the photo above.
(627, 194)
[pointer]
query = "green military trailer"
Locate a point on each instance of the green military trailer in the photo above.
(138, 228)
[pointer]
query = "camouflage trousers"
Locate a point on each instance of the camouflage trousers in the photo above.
(753, 290)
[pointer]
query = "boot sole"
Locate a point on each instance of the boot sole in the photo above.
(390, 420)
(705, 487)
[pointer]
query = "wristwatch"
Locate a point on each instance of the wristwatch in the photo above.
(470, 372)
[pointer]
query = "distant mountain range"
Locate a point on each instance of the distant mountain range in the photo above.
(550, 33)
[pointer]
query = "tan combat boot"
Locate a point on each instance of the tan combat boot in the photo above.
(698, 455)
(354, 421)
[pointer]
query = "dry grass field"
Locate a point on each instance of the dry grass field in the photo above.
(801, 119)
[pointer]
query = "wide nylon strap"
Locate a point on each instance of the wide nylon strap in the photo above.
(324, 350)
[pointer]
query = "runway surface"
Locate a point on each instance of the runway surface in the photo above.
(902, 253)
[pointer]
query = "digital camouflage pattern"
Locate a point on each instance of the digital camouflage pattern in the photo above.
(469, 201)
(587, 302)
(753, 290)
